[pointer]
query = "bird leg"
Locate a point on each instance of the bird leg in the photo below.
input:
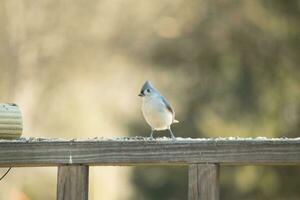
(151, 135)
(172, 135)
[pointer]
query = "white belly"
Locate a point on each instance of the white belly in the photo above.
(156, 114)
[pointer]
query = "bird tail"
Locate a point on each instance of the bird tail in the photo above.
(175, 121)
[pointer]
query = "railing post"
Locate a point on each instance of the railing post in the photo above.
(72, 182)
(203, 182)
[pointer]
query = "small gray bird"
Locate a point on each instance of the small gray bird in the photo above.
(156, 110)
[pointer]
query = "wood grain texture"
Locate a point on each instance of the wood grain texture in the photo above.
(10, 121)
(203, 182)
(43, 152)
(72, 182)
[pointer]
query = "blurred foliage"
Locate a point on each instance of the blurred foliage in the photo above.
(229, 68)
(160, 182)
(243, 59)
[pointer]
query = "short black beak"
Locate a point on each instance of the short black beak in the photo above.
(141, 94)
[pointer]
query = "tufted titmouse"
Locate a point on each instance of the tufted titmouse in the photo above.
(156, 110)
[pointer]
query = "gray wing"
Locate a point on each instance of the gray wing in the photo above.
(168, 106)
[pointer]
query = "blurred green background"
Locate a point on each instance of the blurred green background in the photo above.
(229, 68)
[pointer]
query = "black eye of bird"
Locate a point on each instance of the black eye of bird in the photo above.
(148, 90)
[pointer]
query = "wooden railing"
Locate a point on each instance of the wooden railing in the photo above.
(202, 156)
